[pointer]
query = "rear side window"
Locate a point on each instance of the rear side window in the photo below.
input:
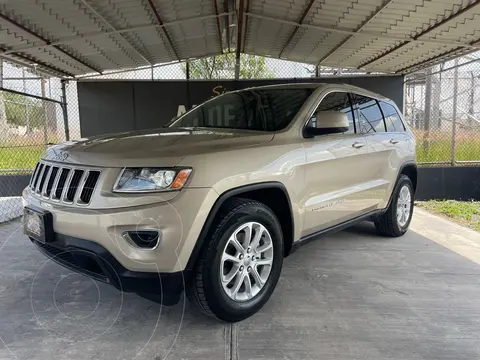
(370, 117)
(392, 118)
(337, 101)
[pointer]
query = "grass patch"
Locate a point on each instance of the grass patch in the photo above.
(441, 150)
(20, 157)
(437, 146)
(464, 212)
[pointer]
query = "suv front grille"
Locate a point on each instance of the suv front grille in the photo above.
(67, 184)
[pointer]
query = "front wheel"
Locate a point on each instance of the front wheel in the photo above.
(396, 220)
(240, 266)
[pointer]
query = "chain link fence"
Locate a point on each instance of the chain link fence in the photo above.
(442, 106)
(31, 119)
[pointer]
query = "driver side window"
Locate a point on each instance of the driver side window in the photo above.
(336, 101)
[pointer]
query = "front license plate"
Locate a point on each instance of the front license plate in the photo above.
(37, 224)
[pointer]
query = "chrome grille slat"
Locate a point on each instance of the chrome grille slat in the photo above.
(73, 185)
(37, 174)
(88, 187)
(44, 179)
(34, 174)
(80, 186)
(60, 184)
(64, 183)
(55, 184)
(66, 186)
(51, 180)
(38, 179)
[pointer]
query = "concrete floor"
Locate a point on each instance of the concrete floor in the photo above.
(350, 295)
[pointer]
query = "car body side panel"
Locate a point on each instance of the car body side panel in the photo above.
(278, 161)
(399, 153)
(338, 182)
(383, 164)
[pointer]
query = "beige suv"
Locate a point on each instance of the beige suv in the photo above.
(214, 202)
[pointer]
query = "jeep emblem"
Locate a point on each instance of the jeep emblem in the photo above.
(61, 156)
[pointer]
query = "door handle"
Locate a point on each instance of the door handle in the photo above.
(393, 141)
(358, 145)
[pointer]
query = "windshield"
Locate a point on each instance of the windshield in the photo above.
(263, 109)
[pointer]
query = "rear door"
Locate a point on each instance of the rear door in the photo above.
(335, 170)
(397, 140)
(382, 162)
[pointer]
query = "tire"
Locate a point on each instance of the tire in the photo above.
(388, 224)
(206, 289)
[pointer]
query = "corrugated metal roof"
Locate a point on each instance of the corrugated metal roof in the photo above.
(76, 37)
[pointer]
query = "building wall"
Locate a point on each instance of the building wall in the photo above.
(108, 106)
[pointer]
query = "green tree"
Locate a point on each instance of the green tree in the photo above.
(22, 110)
(223, 67)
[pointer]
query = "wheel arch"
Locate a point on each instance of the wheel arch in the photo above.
(409, 169)
(260, 192)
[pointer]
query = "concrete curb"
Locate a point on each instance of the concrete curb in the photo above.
(10, 208)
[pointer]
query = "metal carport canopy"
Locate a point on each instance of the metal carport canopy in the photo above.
(69, 38)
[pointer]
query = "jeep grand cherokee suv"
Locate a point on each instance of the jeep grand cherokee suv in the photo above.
(215, 201)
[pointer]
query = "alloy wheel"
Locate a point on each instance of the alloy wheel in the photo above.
(404, 206)
(246, 261)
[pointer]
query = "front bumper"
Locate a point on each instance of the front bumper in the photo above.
(179, 221)
(93, 260)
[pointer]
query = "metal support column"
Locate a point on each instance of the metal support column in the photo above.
(454, 111)
(238, 45)
(237, 67)
(471, 107)
(427, 111)
(27, 114)
(64, 109)
(187, 70)
(45, 114)
(3, 116)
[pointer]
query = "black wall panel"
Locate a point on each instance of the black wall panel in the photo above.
(106, 107)
(455, 183)
(155, 105)
(114, 106)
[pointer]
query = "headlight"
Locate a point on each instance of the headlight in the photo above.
(151, 179)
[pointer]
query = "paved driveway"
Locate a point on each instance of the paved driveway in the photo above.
(349, 295)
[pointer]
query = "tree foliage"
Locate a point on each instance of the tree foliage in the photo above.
(20, 108)
(223, 67)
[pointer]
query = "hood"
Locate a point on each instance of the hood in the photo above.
(159, 147)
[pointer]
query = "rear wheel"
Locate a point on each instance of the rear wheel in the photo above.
(396, 220)
(240, 266)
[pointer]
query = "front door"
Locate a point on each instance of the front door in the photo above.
(336, 175)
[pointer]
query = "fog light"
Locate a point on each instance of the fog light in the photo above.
(144, 239)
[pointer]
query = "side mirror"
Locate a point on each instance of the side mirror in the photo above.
(328, 122)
